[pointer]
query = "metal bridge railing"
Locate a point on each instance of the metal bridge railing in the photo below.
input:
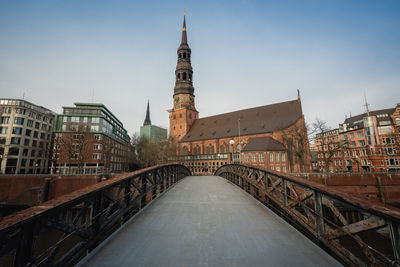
(62, 231)
(358, 232)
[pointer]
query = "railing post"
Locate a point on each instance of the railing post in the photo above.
(394, 237)
(144, 190)
(319, 217)
(283, 192)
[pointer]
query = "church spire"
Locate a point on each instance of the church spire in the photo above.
(147, 121)
(184, 72)
(184, 35)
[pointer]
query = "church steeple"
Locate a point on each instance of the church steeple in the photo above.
(184, 72)
(147, 121)
(184, 113)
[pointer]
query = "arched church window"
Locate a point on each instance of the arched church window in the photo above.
(222, 149)
(185, 150)
(180, 55)
(179, 76)
(208, 150)
(212, 149)
(184, 76)
(184, 55)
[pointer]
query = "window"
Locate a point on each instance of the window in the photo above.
(15, 140)
(261, 157)
(34, 143)
(3, 130)
(35, 134)
(17, 130)
(97, 137)
(222, 149)
(97, 147)
(95, 120)
(184, 76)
(96, 156)
(28, 132)
(352, 135)
(5, 120)
(361, 143)
(42, 136)
(37, 125)
(277, 156)
(74, 119)
(246, 157)
(44, 126)
(94, 128)
(253, 157)
(18, 120)
(360, 134)
(271, 157)
(283, 157)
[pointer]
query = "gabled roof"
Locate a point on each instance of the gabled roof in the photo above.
(266, 143)
(264, 119)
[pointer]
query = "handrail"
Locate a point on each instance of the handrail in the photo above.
(60, 231)
(341, 222)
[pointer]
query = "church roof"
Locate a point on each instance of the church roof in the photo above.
(265, 143)
(258, 120)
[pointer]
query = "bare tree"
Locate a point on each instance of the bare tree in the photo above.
(328, 144)
(295, 139)
(75, 147)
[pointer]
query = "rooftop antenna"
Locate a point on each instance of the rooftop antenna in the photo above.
(23, 96)
(366, 103)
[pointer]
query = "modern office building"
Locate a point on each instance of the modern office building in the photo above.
(25, 137)
(89, 139)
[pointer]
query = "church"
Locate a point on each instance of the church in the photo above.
(272, 136)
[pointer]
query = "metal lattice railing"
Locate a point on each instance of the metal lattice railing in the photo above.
(61, 231)
(358, 232)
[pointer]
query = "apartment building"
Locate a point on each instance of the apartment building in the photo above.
(25, 137)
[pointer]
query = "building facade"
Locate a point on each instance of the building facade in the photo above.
(89, 139)
(367, 142)
(25, 137)
(151, 132)
(204, 144)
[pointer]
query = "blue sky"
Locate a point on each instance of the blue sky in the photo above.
(244, 54)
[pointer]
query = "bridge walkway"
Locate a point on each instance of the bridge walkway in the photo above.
(207, 221)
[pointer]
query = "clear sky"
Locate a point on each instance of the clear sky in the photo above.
(244, 54)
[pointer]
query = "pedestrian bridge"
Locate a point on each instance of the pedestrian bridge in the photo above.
(208, 221)
(164, 216)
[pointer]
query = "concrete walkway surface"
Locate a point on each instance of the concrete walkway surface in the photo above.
(207, 221)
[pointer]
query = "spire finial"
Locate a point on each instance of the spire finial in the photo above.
(147, 120)
(184, 20)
